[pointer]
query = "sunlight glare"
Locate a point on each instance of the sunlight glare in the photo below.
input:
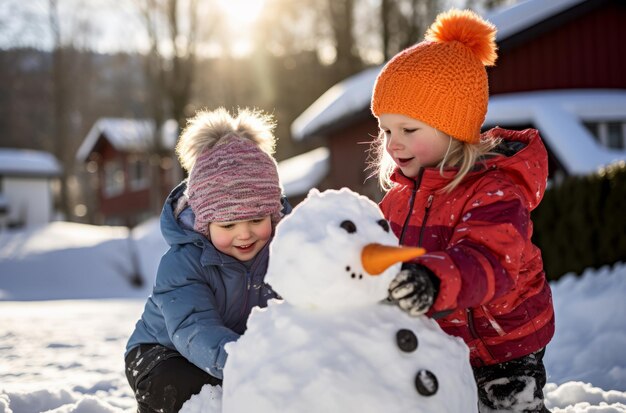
(241, 11)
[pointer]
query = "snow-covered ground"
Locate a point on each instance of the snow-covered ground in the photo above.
(68, 309)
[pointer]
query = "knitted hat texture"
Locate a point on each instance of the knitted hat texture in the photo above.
(234, 180)
(442, 81)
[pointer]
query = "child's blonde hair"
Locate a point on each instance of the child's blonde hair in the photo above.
(460, 155)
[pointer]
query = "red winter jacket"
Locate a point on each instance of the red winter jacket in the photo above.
(493, 287)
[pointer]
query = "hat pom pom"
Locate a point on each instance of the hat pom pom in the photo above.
(207, 128)
(468, 28)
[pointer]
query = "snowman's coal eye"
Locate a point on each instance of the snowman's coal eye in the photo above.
(384, 224)
(348, 226)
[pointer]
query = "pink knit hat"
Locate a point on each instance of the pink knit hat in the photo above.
(234, 180)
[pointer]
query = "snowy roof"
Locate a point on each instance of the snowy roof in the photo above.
(127, 135)
(559, 115)
(511, 20)
(23, 162)
(342, 100)
(354, 94)
(303, 172)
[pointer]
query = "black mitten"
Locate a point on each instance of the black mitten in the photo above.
(414, 289)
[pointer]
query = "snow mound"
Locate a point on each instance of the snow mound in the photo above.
(208, 400)
(65, 260)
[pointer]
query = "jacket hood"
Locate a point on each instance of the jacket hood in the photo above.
(528, 166)
(172, 230)
(524, 161)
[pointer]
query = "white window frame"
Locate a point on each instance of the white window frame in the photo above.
(113, 177)
(603, 133)
(141, 180)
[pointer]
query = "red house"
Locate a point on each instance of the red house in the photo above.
(561, 69)
(121, 153)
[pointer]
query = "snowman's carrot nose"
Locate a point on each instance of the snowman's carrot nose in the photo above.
(376, 258)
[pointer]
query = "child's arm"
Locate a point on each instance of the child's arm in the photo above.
(483, 257)
(191, 315)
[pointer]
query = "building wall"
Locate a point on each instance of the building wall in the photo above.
(131, 206)
(30, 200)
(582, 48)
(349, 151)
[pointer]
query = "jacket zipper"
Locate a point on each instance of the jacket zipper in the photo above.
(247, 293)
(429, 202)
(417, 184)
(249, 273)
(473, 332)
(470, 323)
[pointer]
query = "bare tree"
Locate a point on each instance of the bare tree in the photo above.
(60, 107)
(172, 29)
(341, 17)
(404, 22)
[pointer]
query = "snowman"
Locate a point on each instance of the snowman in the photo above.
(333, 344)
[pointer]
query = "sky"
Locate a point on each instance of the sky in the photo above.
(63, 333)
(109, 26)
(25, 23)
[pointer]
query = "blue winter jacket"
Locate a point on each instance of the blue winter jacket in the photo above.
(202, 298)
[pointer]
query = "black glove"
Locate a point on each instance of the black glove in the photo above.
(414, 289)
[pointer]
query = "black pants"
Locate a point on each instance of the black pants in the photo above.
(162, 379)
(513, 386)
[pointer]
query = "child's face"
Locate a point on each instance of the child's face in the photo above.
(241, 239)
(412, 144)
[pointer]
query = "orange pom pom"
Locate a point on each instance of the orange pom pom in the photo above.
(468, 28)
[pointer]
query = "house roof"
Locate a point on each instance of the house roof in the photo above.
(127, 135)
(23, 162)
(514, 19)
(353, 95)
(560, 116)
(303, 172)
(344, 99)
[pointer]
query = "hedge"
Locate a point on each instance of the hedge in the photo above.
(582, 222)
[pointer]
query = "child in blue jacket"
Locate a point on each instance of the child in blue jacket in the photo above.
(218, 225)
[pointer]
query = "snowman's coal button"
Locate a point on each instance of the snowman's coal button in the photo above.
(426, 383)
(406, 340)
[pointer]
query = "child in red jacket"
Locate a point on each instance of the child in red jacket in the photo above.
(466, 199)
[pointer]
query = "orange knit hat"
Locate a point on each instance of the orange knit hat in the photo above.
(442, 81)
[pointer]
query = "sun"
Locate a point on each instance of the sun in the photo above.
(241, 11)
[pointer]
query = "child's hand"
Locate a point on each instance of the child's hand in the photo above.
(414, 289)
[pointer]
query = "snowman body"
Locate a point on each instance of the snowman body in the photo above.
(345, 362)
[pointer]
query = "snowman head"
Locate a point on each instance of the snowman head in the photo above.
(320, 257)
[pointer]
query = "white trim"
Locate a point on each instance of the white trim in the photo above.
(25, 162)
(127, 135)
(303, 172)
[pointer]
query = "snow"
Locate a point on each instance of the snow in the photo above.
(350, 357)
(23, 162)
(559, 115)
(66, 355)
(303, 172)
(73, 261)
(127, 135)
(346, 98)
